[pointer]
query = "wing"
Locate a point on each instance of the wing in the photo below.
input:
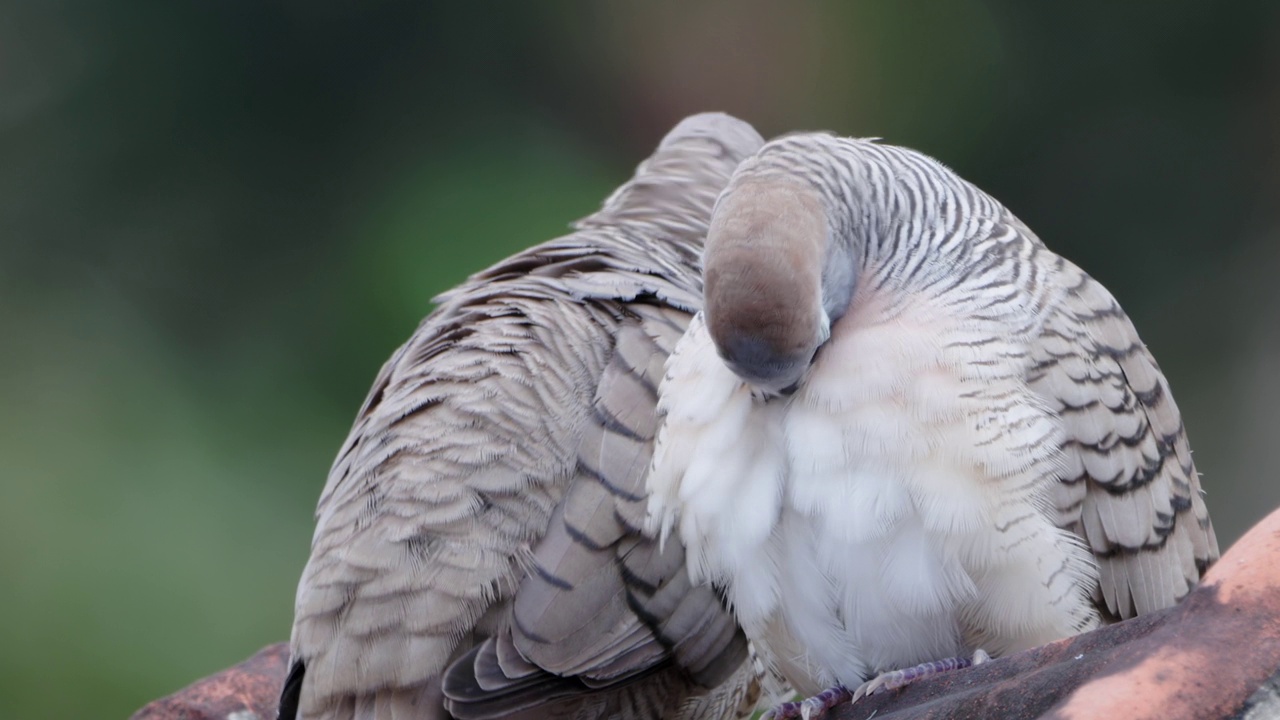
(1130, 489)
(451, 473)
(460, 461)
(605, 612)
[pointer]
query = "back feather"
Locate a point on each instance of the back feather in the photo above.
(477, 543)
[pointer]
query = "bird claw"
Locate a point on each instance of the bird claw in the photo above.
(810, 708)
(872, 686)
(895, 679)
(820, 704)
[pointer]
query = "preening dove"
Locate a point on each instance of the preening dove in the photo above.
(903, 430)
(478, 550)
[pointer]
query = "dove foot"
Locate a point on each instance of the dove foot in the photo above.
(819, 705)
(899, 678)
(810, 708)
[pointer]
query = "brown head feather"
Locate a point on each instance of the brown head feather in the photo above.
(763, 279)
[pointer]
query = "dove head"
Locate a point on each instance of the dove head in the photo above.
(774, 280)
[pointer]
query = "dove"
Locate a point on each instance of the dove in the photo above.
(479, 549)
(903, 434)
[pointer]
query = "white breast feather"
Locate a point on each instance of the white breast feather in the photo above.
(894, 511)
(717, 471)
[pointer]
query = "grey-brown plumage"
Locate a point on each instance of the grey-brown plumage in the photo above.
(478, 549)
(903, 429)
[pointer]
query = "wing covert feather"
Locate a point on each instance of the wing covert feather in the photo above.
(465, 449)
(1130, 489)
(603, 603)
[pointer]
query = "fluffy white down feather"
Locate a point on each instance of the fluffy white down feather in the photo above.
(895, 510)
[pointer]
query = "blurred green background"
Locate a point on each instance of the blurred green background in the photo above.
(218, 219)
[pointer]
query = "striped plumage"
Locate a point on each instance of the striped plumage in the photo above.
(903, 429)
(478, 549)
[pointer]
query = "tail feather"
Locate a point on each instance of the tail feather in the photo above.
(291, 692)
